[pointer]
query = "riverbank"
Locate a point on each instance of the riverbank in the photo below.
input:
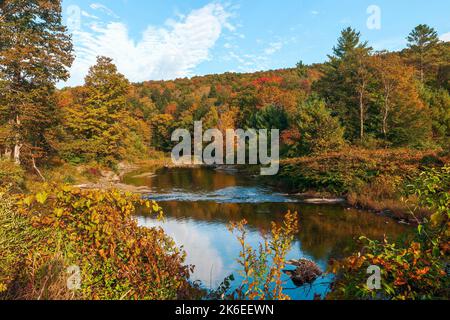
(375, 180)
(371, 180)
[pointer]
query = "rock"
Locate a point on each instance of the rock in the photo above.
(324, 201)
(145, 175)
(306, 271)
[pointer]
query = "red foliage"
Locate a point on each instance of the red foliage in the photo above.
(272, 80)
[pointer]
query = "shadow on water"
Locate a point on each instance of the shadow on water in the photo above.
(199, 203)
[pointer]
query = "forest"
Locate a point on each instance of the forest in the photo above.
(370, 126)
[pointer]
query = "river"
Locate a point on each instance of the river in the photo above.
(199, 203)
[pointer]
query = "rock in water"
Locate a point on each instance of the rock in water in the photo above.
(306, 272)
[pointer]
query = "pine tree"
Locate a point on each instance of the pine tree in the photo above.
(96, 123)
(346, 80)
(422, 41)
(319, 130)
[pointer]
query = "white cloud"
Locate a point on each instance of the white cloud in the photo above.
(199, 246)
(88, 15)
(315, 13)
(162, 53)
(103, 8)
(445, 37)
(273, 47)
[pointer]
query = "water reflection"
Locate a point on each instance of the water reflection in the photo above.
(199, 203)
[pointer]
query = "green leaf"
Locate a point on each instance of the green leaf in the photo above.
(420, 229)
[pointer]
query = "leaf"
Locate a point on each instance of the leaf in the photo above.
(59, 212)
(28, 200)
(420, 229)
(41, 197)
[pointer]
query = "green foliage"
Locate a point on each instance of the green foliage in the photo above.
(432, 188)
(422, 41)
(319, 130)
(302, 70)
(348, 42)
(346, 82)
(439, 103)
(161, 131)
(269, 117)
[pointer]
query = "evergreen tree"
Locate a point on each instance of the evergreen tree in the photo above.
(319, 130)
(96, 127)
(346, 81)
(422, 42)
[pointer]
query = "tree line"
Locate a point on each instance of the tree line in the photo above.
(359, 97)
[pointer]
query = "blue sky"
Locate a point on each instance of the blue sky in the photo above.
(167, 39)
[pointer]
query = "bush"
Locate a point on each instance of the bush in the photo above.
(25, 261)
(319, 130)
(262, 267)
(351, 170)
(11, 174)
(96, 231)
(413, 270)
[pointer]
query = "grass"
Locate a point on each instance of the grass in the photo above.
(370, 179)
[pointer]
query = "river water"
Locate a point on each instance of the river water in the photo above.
(199, 203)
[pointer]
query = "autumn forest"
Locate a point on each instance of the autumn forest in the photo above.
(369, 127)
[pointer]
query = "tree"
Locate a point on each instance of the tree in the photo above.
(349, 40)
(35, 53)
(319, 130)
(422, 41)
(162, 125)
(362, 77)
(96, 124)
(270, 117)
(438, 101)
(404, 120)
(346, 81)
(302, 70)
(211, 119)
(389, 69)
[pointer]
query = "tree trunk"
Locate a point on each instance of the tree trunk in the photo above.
(361, 112)
(422, 73)
(385, 115)
(18, 145)
(17, 148)
(33, 161)
(8, 153)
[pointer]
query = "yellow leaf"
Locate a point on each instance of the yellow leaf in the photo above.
(41, 197)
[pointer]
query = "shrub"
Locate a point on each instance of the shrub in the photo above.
(319, 130)
(95, 230)
(28, 268)
(11, 174)
(353, 171)
(262, 267)
(414, 270)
